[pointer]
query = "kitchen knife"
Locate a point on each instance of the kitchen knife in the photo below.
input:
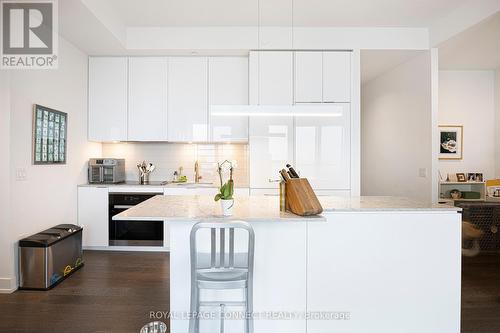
(291, 170)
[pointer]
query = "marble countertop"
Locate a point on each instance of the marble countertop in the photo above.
(262, 208)
(380, 203)
(156, 184)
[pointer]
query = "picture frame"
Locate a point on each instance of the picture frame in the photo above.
(471, 176)
(479, 177)
(451, 142)
(49, 136)
(461, 177)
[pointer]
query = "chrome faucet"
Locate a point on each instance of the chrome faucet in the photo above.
(197, 176)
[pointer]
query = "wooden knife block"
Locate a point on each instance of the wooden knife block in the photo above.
(300, 197)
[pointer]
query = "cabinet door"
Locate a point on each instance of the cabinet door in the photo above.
(271, 148)
(336, 77)
(322, 147)
(147, 114)
(228, 85)
(187, 99)
(274, 76)
(107, 113)
(308, 77)
(93, 215)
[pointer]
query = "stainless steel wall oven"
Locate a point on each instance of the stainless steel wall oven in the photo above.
(132, 233)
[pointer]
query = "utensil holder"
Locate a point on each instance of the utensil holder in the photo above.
(300, 197)
(144, 178)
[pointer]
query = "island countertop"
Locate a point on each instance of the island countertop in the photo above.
(262, 208)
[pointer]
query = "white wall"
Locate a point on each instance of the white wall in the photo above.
(48, 196)
(396, 131)
(497, 123)
(6, 251)
(467, 98)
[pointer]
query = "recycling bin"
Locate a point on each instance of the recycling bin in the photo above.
(48, 257)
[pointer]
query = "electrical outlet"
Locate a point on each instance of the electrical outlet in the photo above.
(20, 174)
(422, 172)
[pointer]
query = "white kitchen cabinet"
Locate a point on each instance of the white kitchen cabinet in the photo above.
(322, 146)
(271, 148)
(309, 77)
(382, 272)
(147, 113)
(107, 108)
(187, 99)
(322, 77)
(228, 85)
(336, 77)
(271, 77)
(93, 215)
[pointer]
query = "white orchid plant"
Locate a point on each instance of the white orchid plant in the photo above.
(226, 190)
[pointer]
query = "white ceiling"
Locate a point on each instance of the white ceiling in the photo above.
(476, 48)
(377, 62)
(345, 13)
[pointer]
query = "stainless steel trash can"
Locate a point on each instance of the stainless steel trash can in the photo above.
(50, 256)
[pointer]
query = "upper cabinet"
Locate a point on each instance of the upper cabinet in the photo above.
(173, 98)
(107, 108)
(228, 85)
(309, 77)
(323, 147)
(271, 148)
(336, 77)
(271, 78)
(322, 77)
(147, 108)
(187, 99)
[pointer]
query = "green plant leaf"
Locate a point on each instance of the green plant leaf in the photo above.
(217, 197)
(227, 191)
(231, 188)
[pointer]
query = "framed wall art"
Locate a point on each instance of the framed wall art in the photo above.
(49, 135)
(450, 142)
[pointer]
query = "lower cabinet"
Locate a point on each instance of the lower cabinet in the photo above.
(93, 215)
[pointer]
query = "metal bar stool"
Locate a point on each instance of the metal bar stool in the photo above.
(221, 271)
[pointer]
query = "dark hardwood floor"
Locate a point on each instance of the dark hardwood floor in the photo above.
(481, 294)
(113, 292)
(116, 291)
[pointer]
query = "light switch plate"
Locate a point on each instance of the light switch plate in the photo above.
(422, 172)
(20, 174)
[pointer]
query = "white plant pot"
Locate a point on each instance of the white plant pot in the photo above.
(227, 207)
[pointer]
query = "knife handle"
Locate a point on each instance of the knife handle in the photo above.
(285, 175)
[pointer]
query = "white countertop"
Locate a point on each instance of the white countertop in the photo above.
(379, 203)
(156, 185)
(262, 208)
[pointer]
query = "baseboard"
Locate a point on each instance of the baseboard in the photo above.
(128, 248)
(7, 285)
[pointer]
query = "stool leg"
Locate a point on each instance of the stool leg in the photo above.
(249, 309)
(195, 301)
(222, 318)
(197, 320)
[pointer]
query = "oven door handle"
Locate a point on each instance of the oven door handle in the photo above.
(122, 206)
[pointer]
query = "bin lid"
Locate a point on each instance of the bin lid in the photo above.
(40, 240)
(49, 236)
(68, 227)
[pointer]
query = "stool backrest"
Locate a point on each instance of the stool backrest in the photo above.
(221, 256)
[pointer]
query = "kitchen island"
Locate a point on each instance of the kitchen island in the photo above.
(367, 264)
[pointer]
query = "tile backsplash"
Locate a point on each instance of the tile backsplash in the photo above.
(168, 157)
